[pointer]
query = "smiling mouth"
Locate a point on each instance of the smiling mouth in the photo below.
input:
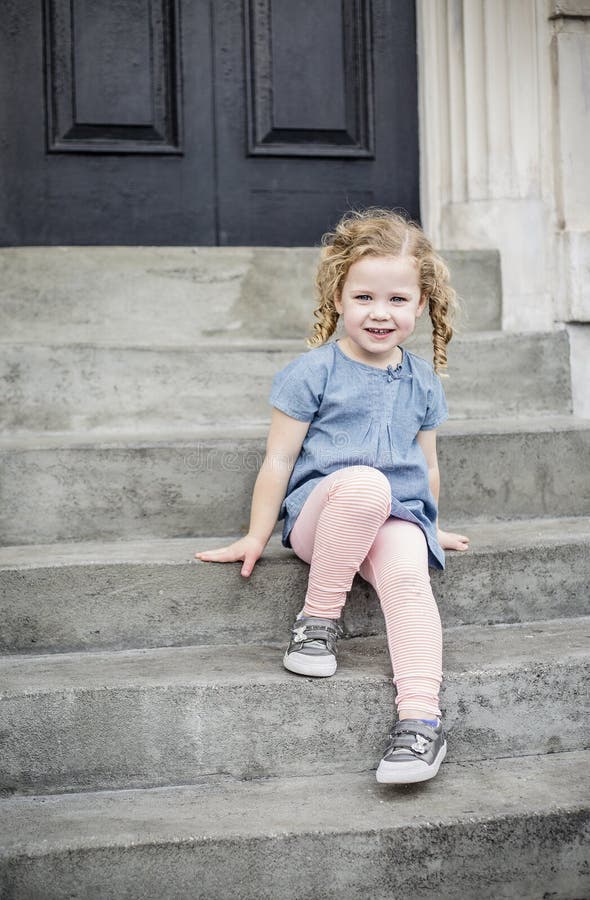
(379, 330)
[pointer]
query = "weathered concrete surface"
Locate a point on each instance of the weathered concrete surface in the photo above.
(68, 487)
(167, 716)
(179, 295)
(62, 388)
(127, 342)
(501, 830)
(153, 593)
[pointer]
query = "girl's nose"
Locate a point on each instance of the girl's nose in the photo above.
(380, 311)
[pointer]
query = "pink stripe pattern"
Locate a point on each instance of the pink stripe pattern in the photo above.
(344, 528)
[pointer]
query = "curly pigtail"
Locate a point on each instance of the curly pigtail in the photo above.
(442, 305)
(325, 312)
(330, 276)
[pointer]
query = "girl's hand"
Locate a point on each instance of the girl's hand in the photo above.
(450, 541)
(249, 549)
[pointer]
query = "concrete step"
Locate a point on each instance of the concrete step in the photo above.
(65, 387)
(85, 596)
(179, 295)
(142, 718)
(508, 829)
(105, 486)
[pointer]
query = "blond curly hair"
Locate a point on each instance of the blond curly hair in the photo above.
(382, 232)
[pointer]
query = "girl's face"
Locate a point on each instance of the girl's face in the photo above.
(379, 305)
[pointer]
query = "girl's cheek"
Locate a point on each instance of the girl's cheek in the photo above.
(407, 319)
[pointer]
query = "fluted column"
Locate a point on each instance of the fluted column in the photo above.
(570, 57)
(486, 141)
(570, 50)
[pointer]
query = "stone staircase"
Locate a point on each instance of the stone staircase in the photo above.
(151, 743)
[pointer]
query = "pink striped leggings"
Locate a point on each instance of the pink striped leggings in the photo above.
(344, 528)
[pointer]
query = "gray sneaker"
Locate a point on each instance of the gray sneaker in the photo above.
(312, 650)
(414, 753)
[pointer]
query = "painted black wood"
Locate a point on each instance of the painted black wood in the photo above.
(101, 139)
(89, 70)
(203, 121)
(298, 57)
(292, 197)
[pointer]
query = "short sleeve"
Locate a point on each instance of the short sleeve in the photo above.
(437, 411)
(298, 389)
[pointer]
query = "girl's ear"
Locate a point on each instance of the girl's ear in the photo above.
(338, 303)
(422, 304)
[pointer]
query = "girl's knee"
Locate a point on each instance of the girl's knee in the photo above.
(369, 484)
(402, 542)
(365, 476)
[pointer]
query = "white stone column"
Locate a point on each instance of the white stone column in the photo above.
(486, 142)
(570, 46)
(570, 57)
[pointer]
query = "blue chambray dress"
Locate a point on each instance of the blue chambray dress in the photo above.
(362, 415)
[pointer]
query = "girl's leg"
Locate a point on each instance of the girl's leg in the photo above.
(334, 532)
(397, 567)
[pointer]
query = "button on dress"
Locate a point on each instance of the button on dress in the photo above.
(361, 415)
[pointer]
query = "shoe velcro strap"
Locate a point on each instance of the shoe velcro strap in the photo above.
(404, 741)
(320, 632)
(413, 727)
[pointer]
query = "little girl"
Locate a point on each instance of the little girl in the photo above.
(351, 466)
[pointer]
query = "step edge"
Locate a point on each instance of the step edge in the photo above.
(280, 345)
(539, 532)
(107, 439)
(135, 665)
(162, 803)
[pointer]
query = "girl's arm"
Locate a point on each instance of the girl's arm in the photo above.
(427, 441)
(285, 439)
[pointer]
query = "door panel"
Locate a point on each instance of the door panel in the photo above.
(347, 132)
(95, 149)
(203, 121)
(113, 81)
(309, 78)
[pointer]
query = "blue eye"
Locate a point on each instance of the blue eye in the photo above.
(395, 299)
(363, 297)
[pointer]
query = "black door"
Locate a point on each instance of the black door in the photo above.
(203, 121)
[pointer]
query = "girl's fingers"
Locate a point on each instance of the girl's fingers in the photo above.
(250, 561)
(228, 556)
(223, 554)
(248, 551)
(247, 569)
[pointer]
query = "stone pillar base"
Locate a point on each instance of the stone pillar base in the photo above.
(573, 287)
(580, 366)
(518, 229)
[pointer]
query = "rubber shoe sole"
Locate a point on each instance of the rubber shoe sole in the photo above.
(409, 772)
(316, 667)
